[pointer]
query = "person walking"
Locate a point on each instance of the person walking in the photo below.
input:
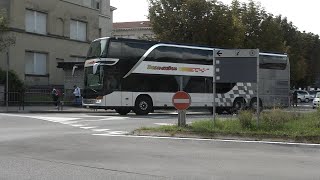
(77, 95)
(55, 93)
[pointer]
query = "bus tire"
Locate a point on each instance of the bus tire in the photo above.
(253, 104)
(143, 105)
(123, 111)
(238, 104)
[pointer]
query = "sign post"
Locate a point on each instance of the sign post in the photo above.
(244, 65)
(181, 101)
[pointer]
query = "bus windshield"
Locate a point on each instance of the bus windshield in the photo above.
(97, 49)
(94, 81)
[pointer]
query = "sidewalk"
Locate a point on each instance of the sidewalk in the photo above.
(48, 109)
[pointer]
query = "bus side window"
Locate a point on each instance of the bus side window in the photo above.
(196, 85)
(114, 50)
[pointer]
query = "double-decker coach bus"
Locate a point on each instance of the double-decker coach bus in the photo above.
(139, 75)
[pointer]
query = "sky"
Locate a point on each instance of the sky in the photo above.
(303, 14)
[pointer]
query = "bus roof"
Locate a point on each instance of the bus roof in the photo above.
(201, 46)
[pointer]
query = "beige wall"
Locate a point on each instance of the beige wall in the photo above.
(133, 33)
(56, 43)
(56, 10)
(52, 47)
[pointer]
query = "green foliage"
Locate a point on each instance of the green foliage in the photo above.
(15, 84)
(276, 119)
(245, 119)
(239, 25)
(6, 40)
(274, 124)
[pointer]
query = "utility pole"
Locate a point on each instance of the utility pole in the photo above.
(7, 83)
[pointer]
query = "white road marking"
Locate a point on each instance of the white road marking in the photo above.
(78, 125)
(55, 119)
(69, 123)
(112, 133)
(114, 118)
(100, 130)
(164, 124)
(214, 140)
(88, 127)
(73, 123)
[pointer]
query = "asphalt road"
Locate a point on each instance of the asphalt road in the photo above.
(86, 146)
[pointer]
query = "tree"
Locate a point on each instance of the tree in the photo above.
(5, 39)
(240, 25)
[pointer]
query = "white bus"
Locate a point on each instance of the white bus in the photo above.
(139, 75)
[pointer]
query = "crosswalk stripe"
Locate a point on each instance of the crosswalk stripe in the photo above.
(78, 125)
(88, 127)
(100, 130)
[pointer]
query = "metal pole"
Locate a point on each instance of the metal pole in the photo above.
(180, 113)
(258, 81)
(214, 88)
(7, 83)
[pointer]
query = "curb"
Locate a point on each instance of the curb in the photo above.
(274, 141)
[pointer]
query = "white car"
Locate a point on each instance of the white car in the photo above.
(316, 101)
(303, 96)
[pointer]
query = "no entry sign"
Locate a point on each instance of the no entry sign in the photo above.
(181, 100)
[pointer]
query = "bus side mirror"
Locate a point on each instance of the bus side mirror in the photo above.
(95, 68)
(74, 69)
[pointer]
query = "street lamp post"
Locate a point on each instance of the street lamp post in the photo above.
(7, 83)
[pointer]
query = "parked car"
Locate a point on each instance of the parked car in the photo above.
(313, 94)
(303, 96)
(316, 101)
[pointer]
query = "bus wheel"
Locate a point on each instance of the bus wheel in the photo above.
(238, 105)
(254, 104)
(123, 111)
(143, 105)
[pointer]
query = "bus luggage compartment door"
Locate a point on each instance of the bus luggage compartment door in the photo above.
(127, 99)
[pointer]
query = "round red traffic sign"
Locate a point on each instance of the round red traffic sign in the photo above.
(181, 100)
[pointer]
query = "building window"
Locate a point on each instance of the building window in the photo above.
(92, 3)
(36, 63)
(78, 30)
(36, 22)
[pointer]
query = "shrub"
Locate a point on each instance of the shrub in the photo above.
(15, 85)
(245, 118)
(276, 119)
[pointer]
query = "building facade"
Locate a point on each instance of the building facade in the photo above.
(51, 36)
(133, 30)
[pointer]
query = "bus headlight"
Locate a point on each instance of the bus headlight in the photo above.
(98, 101)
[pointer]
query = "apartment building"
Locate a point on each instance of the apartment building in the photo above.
(133, 30)
(52, 35)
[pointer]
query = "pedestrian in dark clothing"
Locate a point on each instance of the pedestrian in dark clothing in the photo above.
(55, 93)
(295, 98)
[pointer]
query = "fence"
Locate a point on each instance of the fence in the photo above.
(35, 97)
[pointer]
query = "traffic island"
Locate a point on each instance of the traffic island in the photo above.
(275, 125)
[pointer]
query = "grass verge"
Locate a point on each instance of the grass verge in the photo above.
(274, 124)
